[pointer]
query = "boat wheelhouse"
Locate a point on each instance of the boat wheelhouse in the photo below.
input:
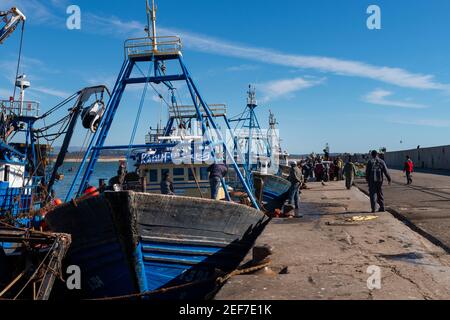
(22, 164)
(190, 178)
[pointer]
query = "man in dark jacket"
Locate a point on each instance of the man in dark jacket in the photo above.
(167, 185)
(216, 173)
(122, 172)
(408, 170)
(349, 173)
(296, 180)
(375, 172)
(319, 170)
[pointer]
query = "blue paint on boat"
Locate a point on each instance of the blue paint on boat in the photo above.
(136, 246)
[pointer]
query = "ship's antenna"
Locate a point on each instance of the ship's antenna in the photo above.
(151, 16)
(251, 100)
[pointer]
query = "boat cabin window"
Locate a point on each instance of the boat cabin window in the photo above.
(153, 176)
(204, 174)
(7, 172)
(192, 174)
(178, 174)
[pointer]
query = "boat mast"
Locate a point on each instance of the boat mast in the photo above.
(151, 17)
(251, 104)
(137, 50)
(22, 84)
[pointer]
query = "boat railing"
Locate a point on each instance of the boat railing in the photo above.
(189, 112)
(19, 200)
(142, 47)
(25, 108)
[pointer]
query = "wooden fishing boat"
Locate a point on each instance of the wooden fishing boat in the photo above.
(132, 243)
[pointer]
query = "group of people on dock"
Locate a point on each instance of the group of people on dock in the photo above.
(316, 169)
(323, 169)
(320, 170)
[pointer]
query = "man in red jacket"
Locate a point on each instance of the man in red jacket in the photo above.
(408, 169)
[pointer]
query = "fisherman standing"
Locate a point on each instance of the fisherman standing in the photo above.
(349, 173)
(167, 184)
(122, 172)
(319, 170)
(375, 172)
(217, 172)
(296, 180)
(340, 168)
(307, 170)
(408, 169)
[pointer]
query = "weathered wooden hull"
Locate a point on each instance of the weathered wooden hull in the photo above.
(127, 242)
(275, 191)
(274, 186)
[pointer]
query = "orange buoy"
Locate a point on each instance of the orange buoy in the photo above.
(277, 213)
(92, 191)
(57, 202)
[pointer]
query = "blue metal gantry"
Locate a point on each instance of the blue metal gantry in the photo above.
(9, 20)
(157, 51)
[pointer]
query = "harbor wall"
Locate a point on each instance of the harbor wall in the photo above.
(426, 158)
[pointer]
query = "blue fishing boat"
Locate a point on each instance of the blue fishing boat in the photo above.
(29, 259)
(22, 164)
(130, 243)
(262, 154)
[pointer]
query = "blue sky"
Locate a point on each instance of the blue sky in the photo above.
(315, 64)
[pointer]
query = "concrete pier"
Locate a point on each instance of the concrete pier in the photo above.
(328, 253)
(424, 205)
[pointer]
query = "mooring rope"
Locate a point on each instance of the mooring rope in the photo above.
(219, 282)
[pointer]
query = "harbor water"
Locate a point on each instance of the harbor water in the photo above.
(103, 170)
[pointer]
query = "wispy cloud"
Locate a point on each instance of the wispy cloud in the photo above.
(395, 76)
(39, 11)
(5, 94)
(51, 92)
(286, 87)
(437, 123)
(33, 68)
(107, 79)
(242, 68)
(382, 97)
(114, 26)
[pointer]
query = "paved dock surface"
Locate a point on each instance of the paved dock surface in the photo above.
(425, 204)
(326, 255)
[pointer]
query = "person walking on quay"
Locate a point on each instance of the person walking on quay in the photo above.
(296, 180)
(122, 172)
(319, 171)
(349, 173)
(217, 172)
(340, 165)
(307, 170)
(332, 172)
(408, 169)
(167, 184)
(376, 170)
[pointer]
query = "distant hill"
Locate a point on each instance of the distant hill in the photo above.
(75, 154)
